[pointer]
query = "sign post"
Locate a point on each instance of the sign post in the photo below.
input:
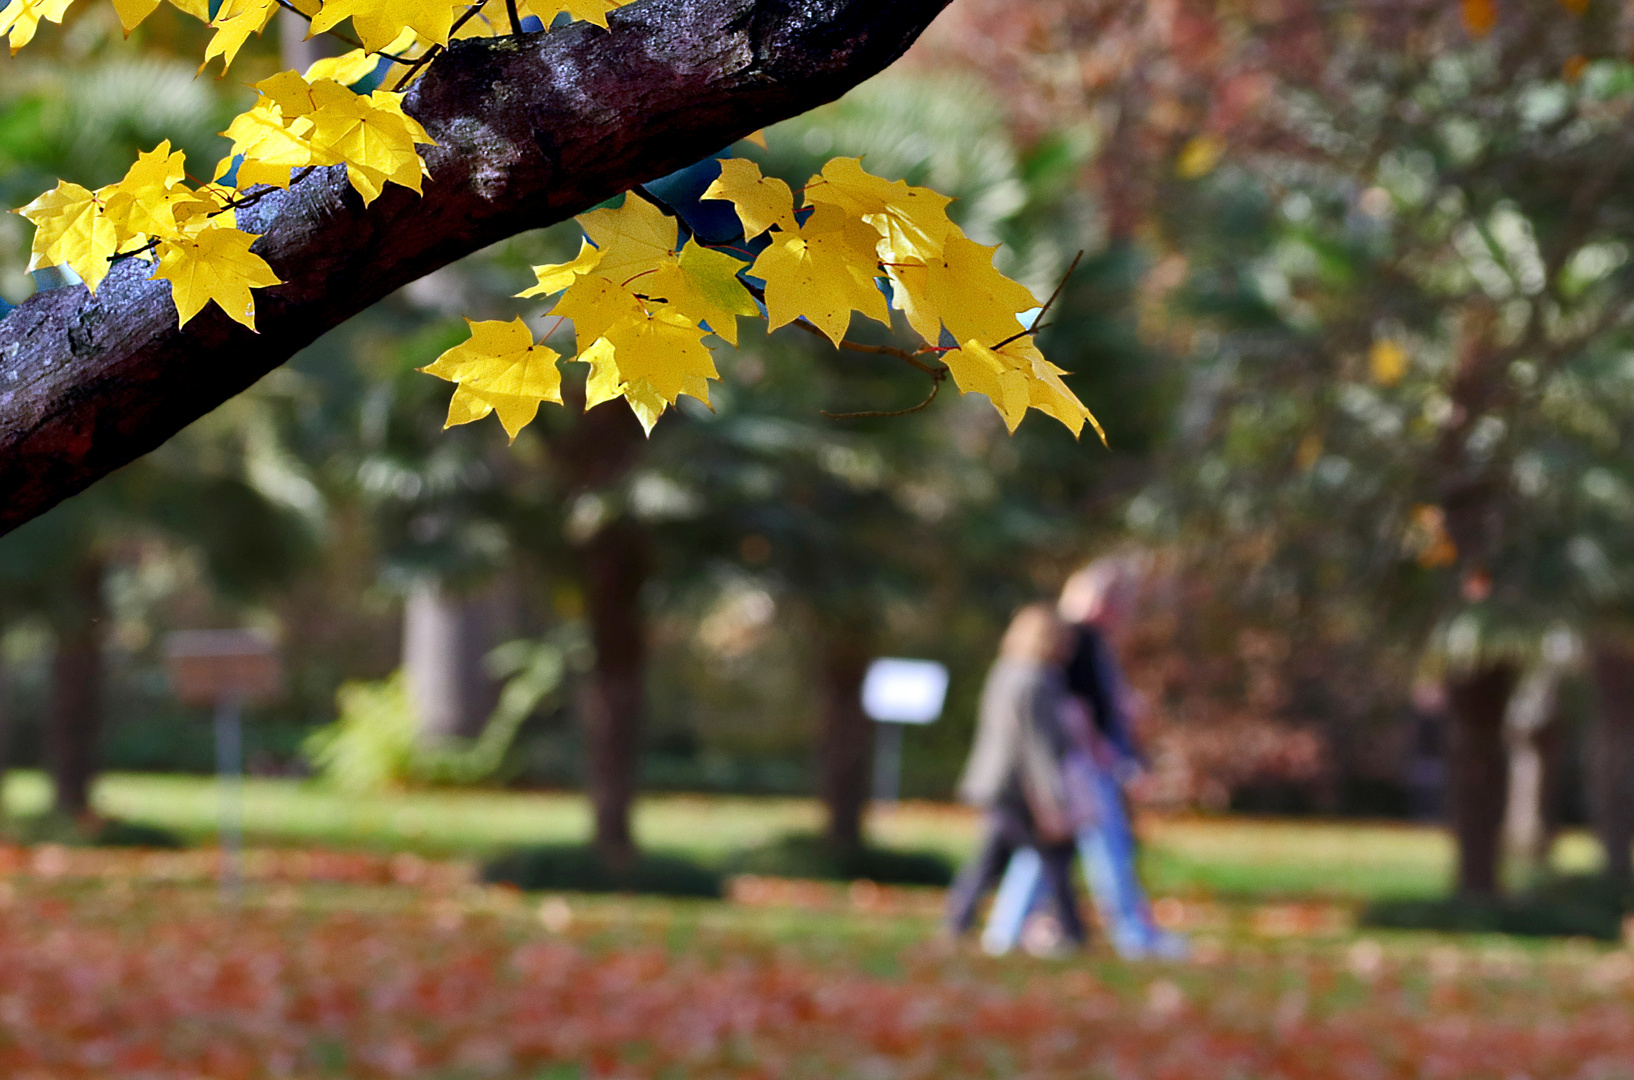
(226, 669)
(897, 692)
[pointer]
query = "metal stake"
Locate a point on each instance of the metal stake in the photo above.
(887, 762)
(230, 795)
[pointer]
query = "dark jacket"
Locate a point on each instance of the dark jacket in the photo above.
(1094, 677)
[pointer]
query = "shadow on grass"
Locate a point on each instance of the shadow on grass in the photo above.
(577, 868)
(97, 832)
(1568, 906)
(807, 855)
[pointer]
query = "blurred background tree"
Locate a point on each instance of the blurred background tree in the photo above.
(1390, 243)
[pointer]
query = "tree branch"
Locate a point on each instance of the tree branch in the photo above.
(529, 131)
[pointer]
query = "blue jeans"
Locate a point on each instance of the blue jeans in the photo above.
(1107, 849)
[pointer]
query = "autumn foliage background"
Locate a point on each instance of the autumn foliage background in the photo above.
(1354, 309)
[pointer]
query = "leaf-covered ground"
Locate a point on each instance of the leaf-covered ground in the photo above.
(130, 966)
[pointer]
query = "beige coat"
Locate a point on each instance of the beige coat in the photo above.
(1016, 759)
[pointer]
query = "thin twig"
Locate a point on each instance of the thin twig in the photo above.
(424, 59)
(431, 53)
(516, 18)
(347, 38)
(236, 203)
(875, 350)
(686, 230)
(1045, 310)
(886, 414)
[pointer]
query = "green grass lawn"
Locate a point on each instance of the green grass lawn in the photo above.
(1242, 857)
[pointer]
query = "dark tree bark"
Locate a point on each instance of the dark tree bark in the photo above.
(530, 130)
(1478, 773)
(616, 562)
(76, 707)
(1611, 771)
(846, 737)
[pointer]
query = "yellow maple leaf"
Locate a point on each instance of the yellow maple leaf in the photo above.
(961, 290)
(596, 304)
(379, 22)
(391, 102)
(635, 239)
(143, 203)
(21, 18)
(603, 383)
(271, 144)
(371, 134)
(912, 221)
(290, 92)
(760, 201)
(591, 11)
(822, 271)
(217, 265)
(235, 21)
(1017, 377)
(195, 209)
(346, 69)
(651, 362)
(554, 277)
(500, 369)
(465, 407)
(132, 12)
(71, 229)
(703, 285)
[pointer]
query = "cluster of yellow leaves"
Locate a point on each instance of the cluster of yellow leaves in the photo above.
(640, 310)
(641, 302)
(20, 19)
(399, 26)
(296, 124)
(190, 231)
(860, 228)
(641, 305)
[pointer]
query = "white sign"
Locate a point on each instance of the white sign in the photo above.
(904, 691)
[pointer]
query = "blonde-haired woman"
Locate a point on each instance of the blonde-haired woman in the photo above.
(1014, 773)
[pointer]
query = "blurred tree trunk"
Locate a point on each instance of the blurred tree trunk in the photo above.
(76, 706)
(616, 561)
(846, 737)
(5, 740)
(446, 636)
(1532, 729)
(1478, 772)
(1612, 758)
(295, 50)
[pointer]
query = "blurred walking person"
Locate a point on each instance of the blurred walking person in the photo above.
(1015, 771)
(1100, 759)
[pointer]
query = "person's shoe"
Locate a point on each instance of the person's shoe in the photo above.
(996, 944)
(1167, 945)
(1042, 937)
